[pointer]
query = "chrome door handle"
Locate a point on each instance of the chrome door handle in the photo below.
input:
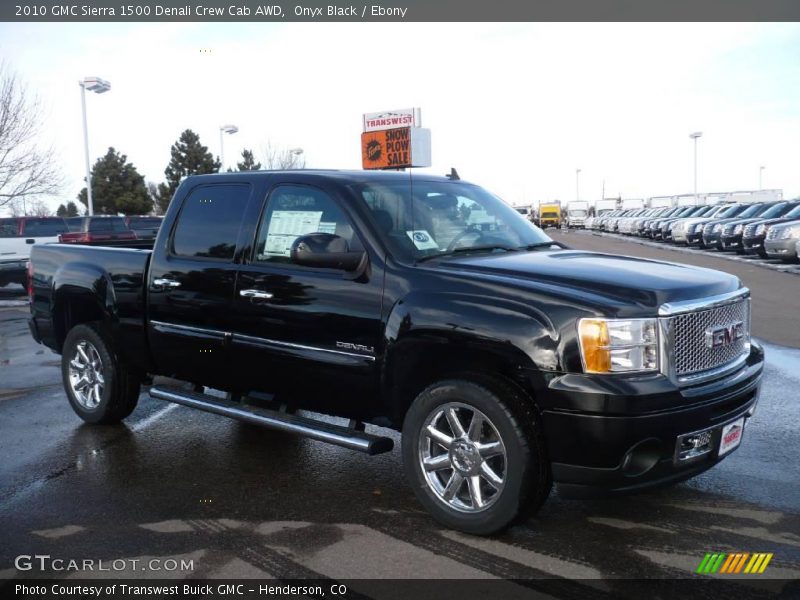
(166, 283)
(255, 294)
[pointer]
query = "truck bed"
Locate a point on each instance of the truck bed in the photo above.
(106, 283)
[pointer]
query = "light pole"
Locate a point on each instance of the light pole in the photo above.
(760, 174)
(694, 136)
(230, 130)
(98, 86)
(577, 184)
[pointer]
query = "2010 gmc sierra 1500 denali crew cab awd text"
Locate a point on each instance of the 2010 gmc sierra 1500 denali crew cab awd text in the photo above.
(419, 303)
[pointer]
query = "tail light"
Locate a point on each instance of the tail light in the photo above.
(30, 280)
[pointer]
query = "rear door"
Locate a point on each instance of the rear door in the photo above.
(191, 283)
(306, 332)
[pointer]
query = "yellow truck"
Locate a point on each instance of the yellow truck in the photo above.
(549, 215)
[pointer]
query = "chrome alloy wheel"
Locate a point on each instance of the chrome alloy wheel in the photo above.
(462, 457)
(86, 375)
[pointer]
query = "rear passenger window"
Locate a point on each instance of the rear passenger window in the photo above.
(107, 224)
(9, 227)
(295, 210)
(44, 227)
(209, 221)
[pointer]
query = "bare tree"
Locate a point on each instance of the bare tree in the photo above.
(26, 170)
(283, 158)
(30, 208)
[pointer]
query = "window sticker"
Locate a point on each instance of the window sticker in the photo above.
(285, 226)
(422, 239)
(327, 227)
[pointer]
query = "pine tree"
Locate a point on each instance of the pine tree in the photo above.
(72, 209)
(189, 157)
(248, 162)
(61, 211)
(117, 187)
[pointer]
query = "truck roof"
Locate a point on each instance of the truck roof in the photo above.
(342, 175)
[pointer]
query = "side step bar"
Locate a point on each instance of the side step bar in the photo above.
(339, 435)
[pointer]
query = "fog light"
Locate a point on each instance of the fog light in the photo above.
(693, 445)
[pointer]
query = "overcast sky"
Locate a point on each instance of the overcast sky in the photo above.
(516, 108)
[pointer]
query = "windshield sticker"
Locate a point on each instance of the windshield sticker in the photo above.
(286, 226)
(422, 239)
(327, 227)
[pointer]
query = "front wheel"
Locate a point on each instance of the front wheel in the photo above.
(474, 453)
(99, 388)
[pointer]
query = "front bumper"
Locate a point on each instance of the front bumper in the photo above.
(731, 242)
(753, 245)
(628, 440)
(712, 240)
(694, 239)
(781, 248)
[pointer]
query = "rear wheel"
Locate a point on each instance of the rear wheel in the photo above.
(99, 388)
(474, 454)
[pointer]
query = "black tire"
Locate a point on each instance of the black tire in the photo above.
(120, 389)
(527, 475)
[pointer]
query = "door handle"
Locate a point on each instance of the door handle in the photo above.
(255, 294)
(30, 241)
(165, 283)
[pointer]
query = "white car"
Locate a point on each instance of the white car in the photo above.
(17, 237)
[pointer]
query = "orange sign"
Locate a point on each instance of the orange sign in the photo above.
(386, 149)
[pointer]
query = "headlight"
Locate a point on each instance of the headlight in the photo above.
(791, 232)
(618, 345)
(761, 230)
(738, 229)
(717, 228)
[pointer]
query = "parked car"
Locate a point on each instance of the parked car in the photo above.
(662, 213)
(144, 227)
(712, 231)
(17, 237)
(98, 230)
(754, 233)
(506, 360)
(731, 238)
(679, 230)
(696, 226)
(657, 227)
(781, 241)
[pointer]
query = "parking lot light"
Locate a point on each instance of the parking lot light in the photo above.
(98, 86)
(694, 136)
(230, 130)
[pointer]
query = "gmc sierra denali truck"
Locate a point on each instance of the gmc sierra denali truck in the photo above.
(423, 304)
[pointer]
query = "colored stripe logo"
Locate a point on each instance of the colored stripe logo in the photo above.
(734, 563)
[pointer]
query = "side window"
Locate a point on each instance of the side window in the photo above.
(209, 221)
(9, 227)
(295, 210)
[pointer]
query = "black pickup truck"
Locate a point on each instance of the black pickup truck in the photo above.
(422, 304)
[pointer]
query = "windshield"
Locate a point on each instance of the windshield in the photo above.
(775, 211)
(752, 211)
(577, 213)
(795, 212)
(443, 217)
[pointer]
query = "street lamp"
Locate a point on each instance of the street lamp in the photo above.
(98, 86)
(577, 184)
(694, 136)
(760, 174)
(230, 130)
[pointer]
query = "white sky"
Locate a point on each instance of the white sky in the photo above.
(514, 107)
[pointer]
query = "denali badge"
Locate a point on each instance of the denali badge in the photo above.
(359, 347)
(716, 337)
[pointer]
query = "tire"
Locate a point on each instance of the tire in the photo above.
(109, 392)
(521, 472)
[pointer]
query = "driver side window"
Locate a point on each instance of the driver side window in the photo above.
(296, 210)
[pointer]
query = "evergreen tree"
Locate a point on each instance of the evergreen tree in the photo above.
(72, 209)
(188, 157)
(117, 187)
(248, 162)
(61, 211)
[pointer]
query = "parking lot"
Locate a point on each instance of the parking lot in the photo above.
(239, 501)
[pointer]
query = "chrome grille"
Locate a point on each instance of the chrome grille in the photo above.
(690, 352)
(773, 233)
(750, 230)
(728, 229)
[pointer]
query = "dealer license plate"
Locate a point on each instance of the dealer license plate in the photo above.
(731, 436)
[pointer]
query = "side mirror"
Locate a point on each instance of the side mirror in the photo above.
(326, 251)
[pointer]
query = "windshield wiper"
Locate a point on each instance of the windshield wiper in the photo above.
(466, 249)
(542, 245)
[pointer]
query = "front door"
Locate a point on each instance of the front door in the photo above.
(309, 334)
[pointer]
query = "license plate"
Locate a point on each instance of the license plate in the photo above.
(731, 436)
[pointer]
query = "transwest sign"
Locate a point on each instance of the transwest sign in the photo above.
(391, 119)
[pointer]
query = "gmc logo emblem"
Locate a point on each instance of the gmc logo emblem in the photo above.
(724, 335)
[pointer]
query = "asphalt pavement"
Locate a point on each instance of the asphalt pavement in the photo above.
(239, 501)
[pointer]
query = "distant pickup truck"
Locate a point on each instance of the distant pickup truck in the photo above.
(507, 360)
(17, 237)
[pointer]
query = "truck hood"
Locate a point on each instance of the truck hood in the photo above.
(621, 279)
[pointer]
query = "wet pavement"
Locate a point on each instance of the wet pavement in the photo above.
(240, 501)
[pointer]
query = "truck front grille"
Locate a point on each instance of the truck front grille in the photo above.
(773, 233)
(693, 353)
(750, 230)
